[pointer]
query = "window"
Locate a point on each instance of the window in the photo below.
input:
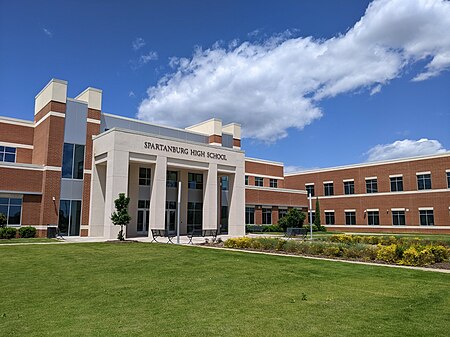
(371, 185)
(249, 215)
(310, 189)
(194, 216)
(144, 204)
(144, 176)
(273, 183)
(8, 154)
(426, 217)
(224, 181)
(424, 181)
(246, 180)
(69, 217)
(267, 216)
(328, 188)
(11, 208)
(448, 179)
(349, 187)
(398, 218)
(396, 184)
(282, 213)
(73, 161)
(195, 181)
(373, 218)
(259, 181)
(313, 214)
(172, 179)
(350, 218)
(329, 218)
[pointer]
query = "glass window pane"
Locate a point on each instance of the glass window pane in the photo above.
(14, 215)
(4, 211)
(2, 156)
(67, 160)
(14, 201)
(75, 217)
(64, 211)
(78, 162)
(9, 158)
(10, 149)
(4, 201)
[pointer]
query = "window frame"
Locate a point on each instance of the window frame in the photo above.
(371, 185)
(309, 187)
(273, 183)
(146, 179)
(10, 205)
(79, 174)
(328, 215)
(428, 214)
(373, 218)
(424, 178)
(250, 212)
(266, 215)
(328, 189)
(397, 214)
(349, 215)
(396, 181)
(259, 181)
(7, 151)
(351, 187)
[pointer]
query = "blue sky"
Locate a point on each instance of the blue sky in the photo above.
(350, 93)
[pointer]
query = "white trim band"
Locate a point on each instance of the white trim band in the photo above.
(329, 211)
(371, 178)
(50, 113)
(263, 176)
(52, 168)
(328, 182)
(383, 193)
(395, 175)
(426, 208)
(372, 210)
(350, 210)
(92, 120)
(426, 172)
(17, 145)
(348, 180)
(397, 209)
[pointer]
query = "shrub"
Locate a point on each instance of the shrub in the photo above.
(239, 243)
(8, 233)
(27, 232)
(2, 220)
(268, 243)
(272, 228)
(342, 238)
(388, 253)
(293, 218)
(440, 253)
(314, 227)
(332, 251)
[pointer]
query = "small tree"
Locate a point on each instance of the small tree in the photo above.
(317, 217)
(2, 220)
(293, 218)
(121, 217)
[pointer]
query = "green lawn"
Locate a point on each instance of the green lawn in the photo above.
(27, 240)
(101, 289)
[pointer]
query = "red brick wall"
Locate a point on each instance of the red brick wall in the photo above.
(264, 169)
(31, 208)
(12, 133)
(262, 197)
(20, 180)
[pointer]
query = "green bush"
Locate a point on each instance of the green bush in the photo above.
(293, 218)
(2, 220)
(8, 233)
(440, 253)
(27, 232)
(314, 227)
(388, 253)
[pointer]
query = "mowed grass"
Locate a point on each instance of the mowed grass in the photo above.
(101, 289)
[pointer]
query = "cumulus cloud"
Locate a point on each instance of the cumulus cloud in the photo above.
(405, 148)
(275, 84)
(138, 43)
(47, 32)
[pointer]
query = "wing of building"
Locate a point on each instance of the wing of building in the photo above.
(66, 167)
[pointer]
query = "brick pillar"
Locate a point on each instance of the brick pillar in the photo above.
(258, 215)
(274, 215)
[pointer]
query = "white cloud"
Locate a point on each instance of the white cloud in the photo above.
(47, 32)
(131, 94)
(143, 59)
(295, 168)
(272, 85)
(405, 148)
(138, 43)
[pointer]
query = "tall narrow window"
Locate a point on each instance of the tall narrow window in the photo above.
(349, 187)
(424, 181)
(249, 215)
(172, 179)
(371, 185)
(7, 154)
(310, 189)
(282, 213)
(246, 180)
(145, 176)
(224, 182)
(396, 184)
(328, 188)
(194, 216)
(73, 161)
(448, 179)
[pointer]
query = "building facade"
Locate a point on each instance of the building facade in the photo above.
(67, 166)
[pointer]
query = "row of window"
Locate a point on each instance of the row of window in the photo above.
(11, 208)
(259, 181)
(266, 215)
(423, 183)
(195, 180)
(373, 218)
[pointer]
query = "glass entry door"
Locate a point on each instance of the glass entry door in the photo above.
(143, 217)
(171, 216)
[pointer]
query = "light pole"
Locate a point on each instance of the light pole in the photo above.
(310, 214)
(178, 212)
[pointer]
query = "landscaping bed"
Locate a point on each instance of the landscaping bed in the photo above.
(381, 249)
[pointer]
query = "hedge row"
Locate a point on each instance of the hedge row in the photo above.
(11, 233)
(413, 255)
(382, 240)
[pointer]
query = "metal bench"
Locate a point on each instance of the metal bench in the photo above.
(203, 233)
(162, 233)
(292, 231)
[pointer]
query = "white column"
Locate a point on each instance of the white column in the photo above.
(184, 199)
(116, 182)
(97, 207)
(158, 195)
(236, 219)
(210, 202)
